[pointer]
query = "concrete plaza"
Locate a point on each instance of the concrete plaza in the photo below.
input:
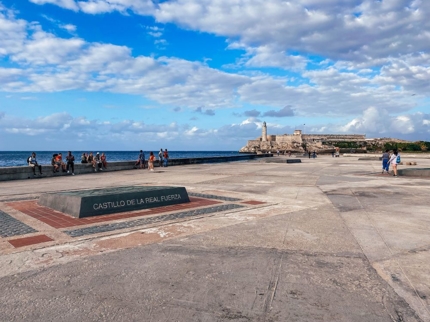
(329, 239)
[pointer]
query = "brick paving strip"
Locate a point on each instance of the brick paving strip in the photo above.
(253, 202)
(151, 220)
(59, 220)
(26, 241)
(10, 226)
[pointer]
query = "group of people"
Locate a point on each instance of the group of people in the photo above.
(68, 164)
(392, 160)
(163, 158)
(313, 154)
(97, 161)
(57, 163)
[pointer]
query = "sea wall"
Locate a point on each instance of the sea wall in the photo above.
(26, 172)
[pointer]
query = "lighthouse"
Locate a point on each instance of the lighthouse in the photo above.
(264, 132)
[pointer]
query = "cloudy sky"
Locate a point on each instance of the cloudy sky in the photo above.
(204, 74)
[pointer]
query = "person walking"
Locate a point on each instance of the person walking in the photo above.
(140, 161)
(385, 163)
(165, 157)
(160, 157)
(70, 162)
(394, 161)
(151, 161)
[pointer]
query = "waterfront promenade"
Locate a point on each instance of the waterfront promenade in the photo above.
(328, 239)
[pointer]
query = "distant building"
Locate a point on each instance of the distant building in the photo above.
(299, 142)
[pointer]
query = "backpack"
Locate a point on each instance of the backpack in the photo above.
(398, 159)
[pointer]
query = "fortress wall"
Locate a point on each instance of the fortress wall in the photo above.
(266, 145)
(254, 142)
(335, 137)
(271, 137)
(288, 139)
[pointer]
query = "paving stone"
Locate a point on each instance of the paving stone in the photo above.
(10, 226)
(148, 221)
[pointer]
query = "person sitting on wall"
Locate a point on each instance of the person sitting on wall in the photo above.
(53, 163)
(70, 158)
(84, 158)
(92, 161)
(98, 161)
(59, 162)
(32, 162)
(103, 160)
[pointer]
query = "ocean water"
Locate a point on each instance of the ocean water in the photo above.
(19, 158)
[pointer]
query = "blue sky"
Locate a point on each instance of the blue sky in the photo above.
(205, 74)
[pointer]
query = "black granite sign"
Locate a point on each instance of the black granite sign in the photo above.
(294, 160)
(86, 203)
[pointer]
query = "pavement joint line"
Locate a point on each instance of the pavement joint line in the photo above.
(19, 199)
(210, 196)
(10, 226)
(145, 221)
(391, 252)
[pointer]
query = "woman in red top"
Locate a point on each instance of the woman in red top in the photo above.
(59, 162)
(151, 161)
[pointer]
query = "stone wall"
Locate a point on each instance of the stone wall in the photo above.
(290, 139)
(25, 172)
(335, 137)
(254, 143)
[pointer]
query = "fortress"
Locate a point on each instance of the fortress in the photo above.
(299, 142)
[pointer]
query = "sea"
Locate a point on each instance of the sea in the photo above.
(19, 158)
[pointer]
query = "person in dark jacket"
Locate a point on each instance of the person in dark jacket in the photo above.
(70, 162)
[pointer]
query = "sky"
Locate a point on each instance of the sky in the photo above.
(204, 74)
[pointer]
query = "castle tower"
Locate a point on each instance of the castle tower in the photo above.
(264, 132)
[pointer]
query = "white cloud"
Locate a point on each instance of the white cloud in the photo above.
(268, 32)
(9, 74)
(347, 30)
(102, 6)
(69, 27)
(66, 4)
(44, 49)
(379, 122)
(351, 30)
